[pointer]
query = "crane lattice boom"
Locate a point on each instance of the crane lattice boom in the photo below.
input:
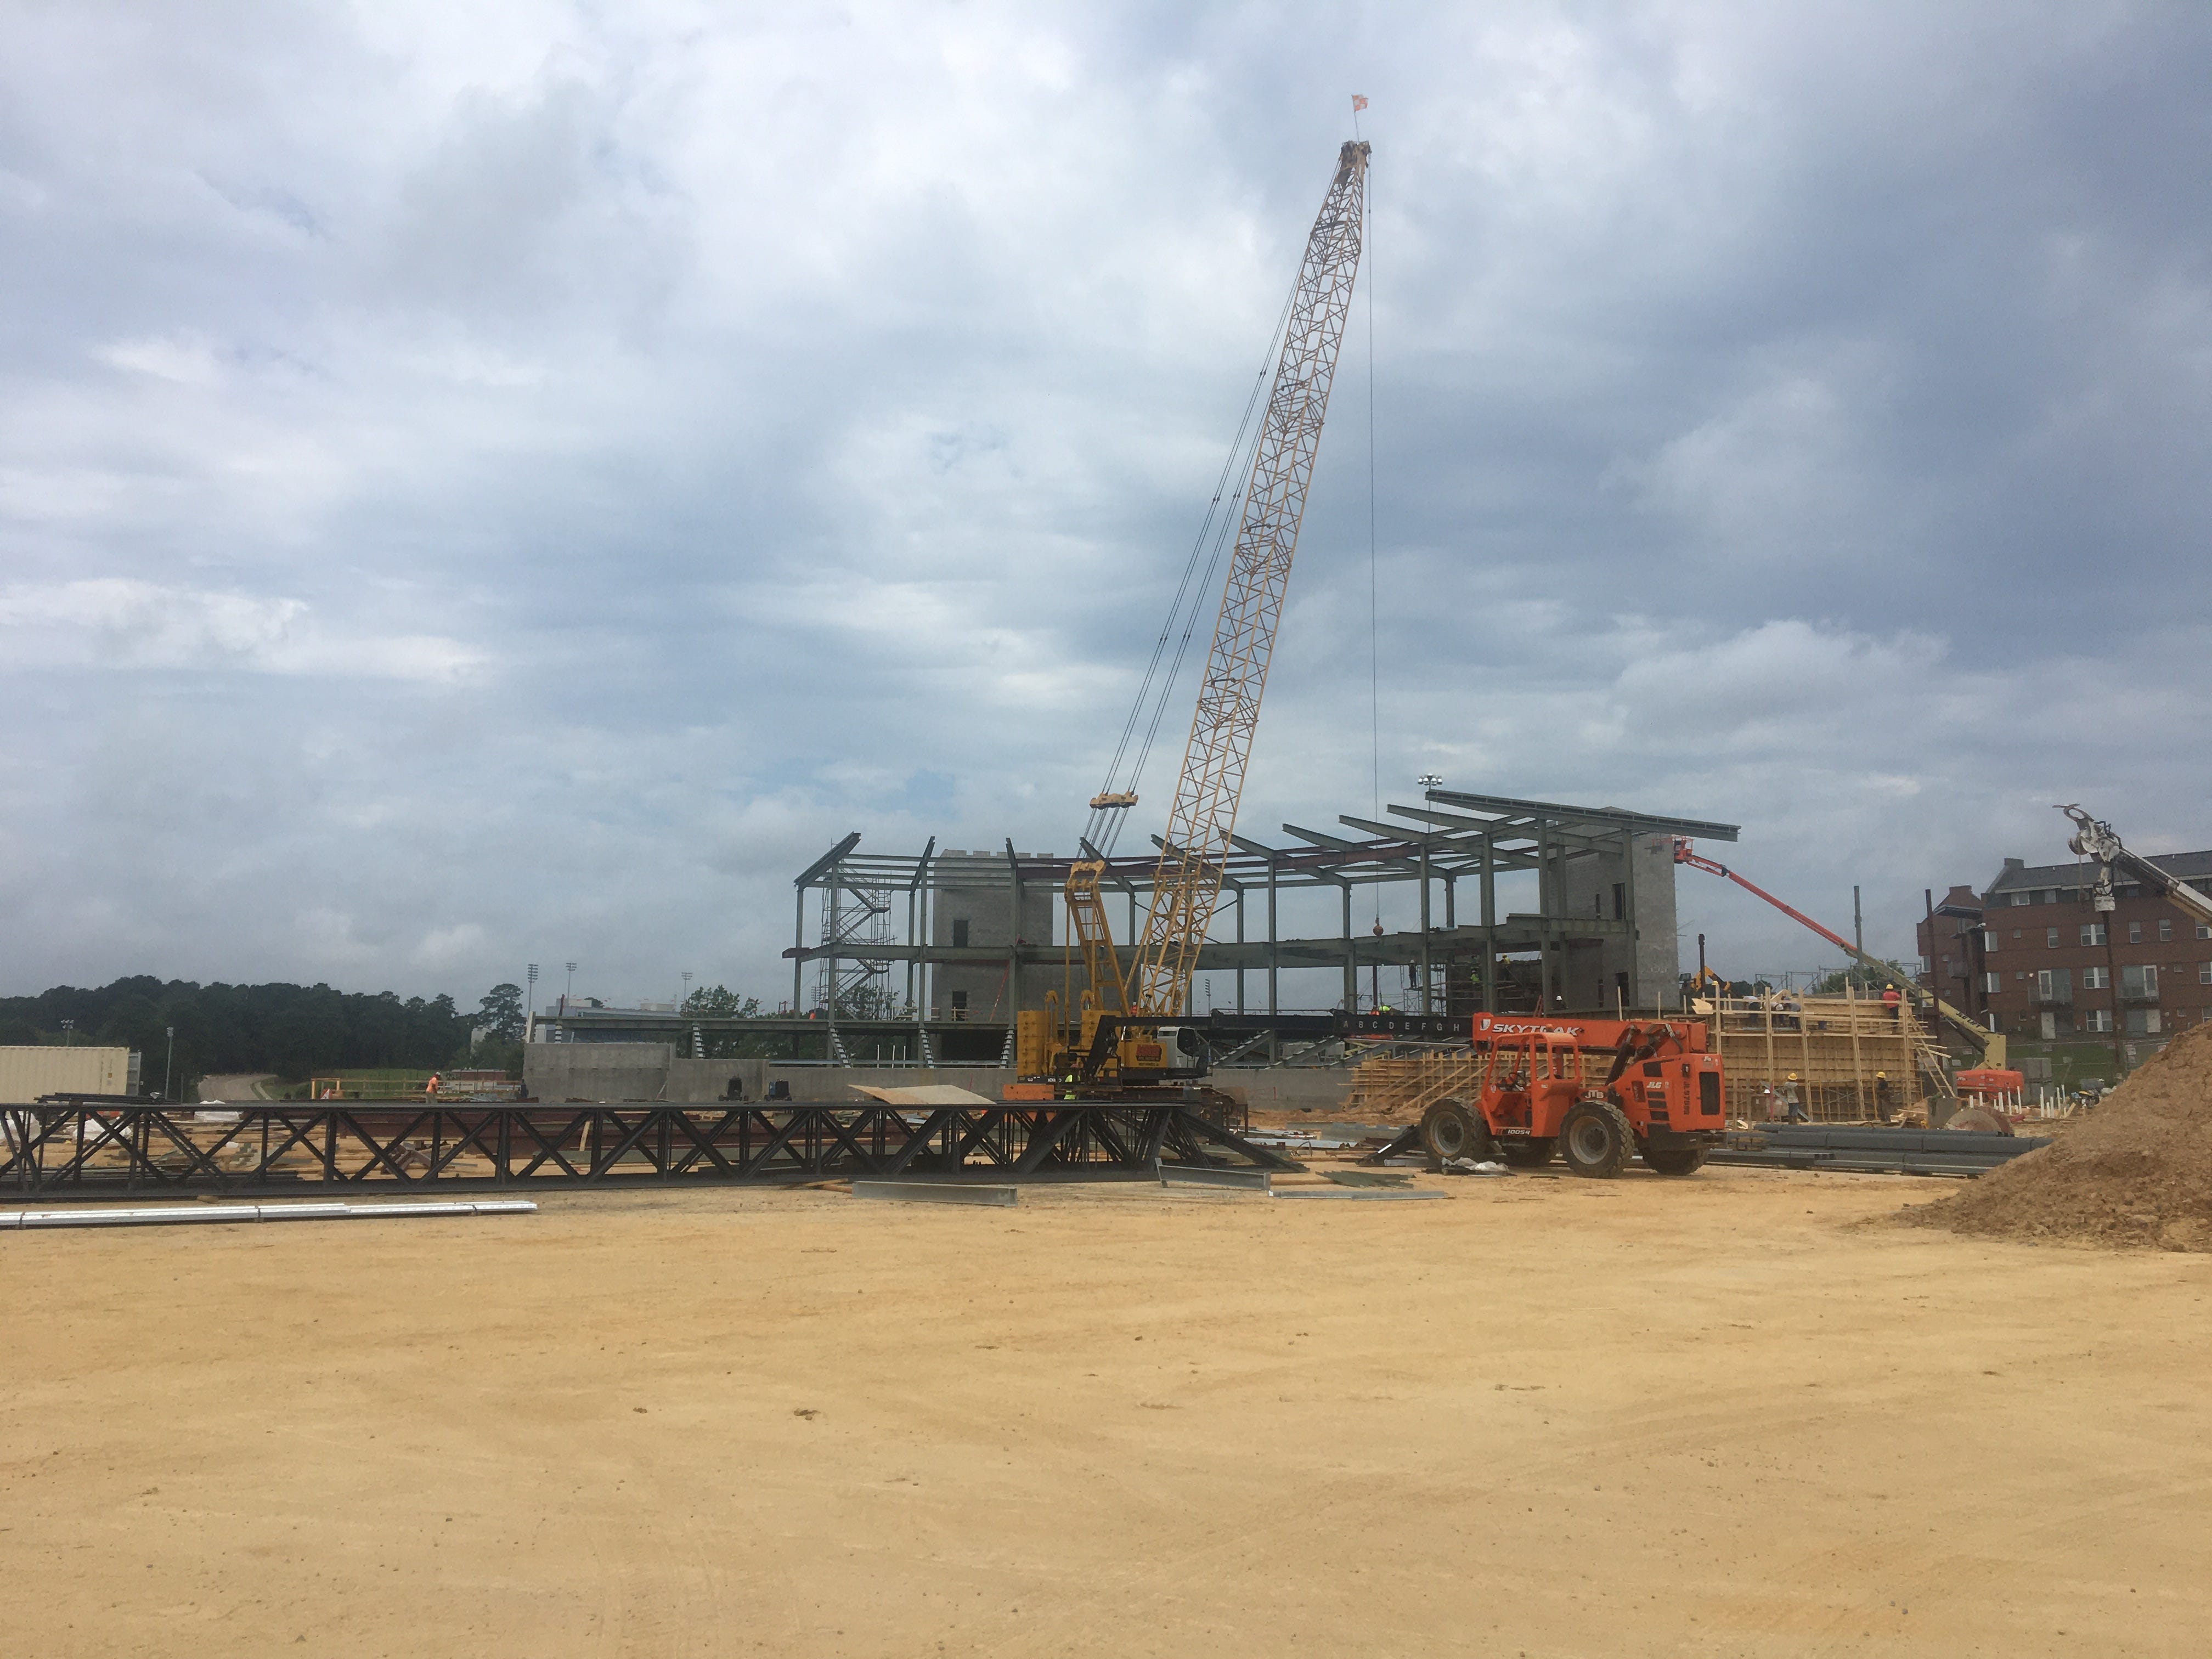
(1187, 883)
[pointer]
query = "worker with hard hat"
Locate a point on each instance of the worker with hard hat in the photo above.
(1885, 1103)
(1792, 1108)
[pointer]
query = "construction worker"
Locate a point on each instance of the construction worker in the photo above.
(1793, 1108)
(430, 1089)
(1885, 1103)
(1892, 999)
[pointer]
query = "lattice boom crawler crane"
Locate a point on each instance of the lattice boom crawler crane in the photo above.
(1120, 1032)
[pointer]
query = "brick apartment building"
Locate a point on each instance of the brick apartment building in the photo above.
(2028, 957)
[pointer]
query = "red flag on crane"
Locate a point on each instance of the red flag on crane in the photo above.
(1358, 103)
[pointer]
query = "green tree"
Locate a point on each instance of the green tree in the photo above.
(1865, 980)
(720, 1002)
(500, 1014)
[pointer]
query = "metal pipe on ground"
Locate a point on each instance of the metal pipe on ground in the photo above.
(207, 1215)
(1371, 1195)
(935, 1192)
(1254, 1181)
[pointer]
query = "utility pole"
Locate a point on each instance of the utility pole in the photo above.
(1858, 935)
(2113, 990)
(169, 1070)
(532, 1006)
(1935, 1090)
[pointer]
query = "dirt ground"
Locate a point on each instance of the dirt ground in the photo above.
(1544, 1417)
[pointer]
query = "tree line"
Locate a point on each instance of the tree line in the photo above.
(294, 1031)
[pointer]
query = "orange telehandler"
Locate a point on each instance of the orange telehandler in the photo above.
(1659, 1095)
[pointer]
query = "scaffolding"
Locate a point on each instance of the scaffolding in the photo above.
(1855, 1060)
(851, 976)
(1842, 1060)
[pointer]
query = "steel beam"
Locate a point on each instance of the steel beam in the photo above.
(81, 1149)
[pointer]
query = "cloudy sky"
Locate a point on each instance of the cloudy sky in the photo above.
(514, 481)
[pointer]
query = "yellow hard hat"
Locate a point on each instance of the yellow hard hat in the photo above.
(1884, 1076)
(1792, 1078)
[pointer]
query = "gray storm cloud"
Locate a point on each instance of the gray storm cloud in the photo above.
(517, 486)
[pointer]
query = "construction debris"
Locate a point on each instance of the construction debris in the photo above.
(2135, 1173)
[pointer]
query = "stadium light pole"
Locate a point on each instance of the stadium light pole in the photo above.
(169, 1070)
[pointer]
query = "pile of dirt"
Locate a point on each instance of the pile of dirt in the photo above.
(2135, 1173)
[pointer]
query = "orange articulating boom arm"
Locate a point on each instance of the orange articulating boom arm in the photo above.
(1684, 855)
(1991, 1045)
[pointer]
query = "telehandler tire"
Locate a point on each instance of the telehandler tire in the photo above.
(1528, 1153)
(1594, 1138)
(1451, 1129)
(1675, 1160)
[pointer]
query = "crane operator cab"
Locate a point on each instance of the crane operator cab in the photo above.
(1182, 1052)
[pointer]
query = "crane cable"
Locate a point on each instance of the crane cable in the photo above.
(1105, 825)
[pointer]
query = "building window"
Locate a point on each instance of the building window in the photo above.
(2204, 930)
(2015, 933)
(2135, 932)
(960, 1001)
(2097, 1019)
(2164, 929)
(2021, 898)
(2092, 932)
(2142, 1021)
(2051, 939)
(960, 937)
(2204, 972)
(1992, 984)
(2096, 979)
(2140, 981)
(2055, 984)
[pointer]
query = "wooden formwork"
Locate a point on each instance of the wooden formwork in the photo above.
(1835, 1045)
(1399, 1088)
(1841, 1049)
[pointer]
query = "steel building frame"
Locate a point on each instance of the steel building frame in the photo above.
(1452, 836)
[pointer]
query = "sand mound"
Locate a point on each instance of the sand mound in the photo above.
(2137, 1173)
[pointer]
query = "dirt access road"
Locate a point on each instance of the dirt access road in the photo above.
(1544, 1418)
